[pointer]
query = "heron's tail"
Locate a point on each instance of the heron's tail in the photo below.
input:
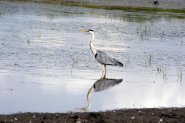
(119, 64)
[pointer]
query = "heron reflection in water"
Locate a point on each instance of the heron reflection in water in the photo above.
(99, 85)
(102, 57)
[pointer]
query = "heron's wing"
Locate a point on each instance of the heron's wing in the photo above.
(103, 84)
(104, 58)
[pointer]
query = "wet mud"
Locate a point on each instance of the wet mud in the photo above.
(166, 115)
(44, 59)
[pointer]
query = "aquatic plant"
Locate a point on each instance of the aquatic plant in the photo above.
(149, 59)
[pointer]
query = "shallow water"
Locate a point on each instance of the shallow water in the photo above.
(46, 64)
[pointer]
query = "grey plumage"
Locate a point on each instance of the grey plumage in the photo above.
(105, 59)
(102, 57)
(100, 85)
(103, 84)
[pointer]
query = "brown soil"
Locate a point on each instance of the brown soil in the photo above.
(165, 115)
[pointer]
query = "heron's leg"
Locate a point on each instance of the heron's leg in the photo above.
(104, 71)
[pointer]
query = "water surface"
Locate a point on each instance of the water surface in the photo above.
(46, 64)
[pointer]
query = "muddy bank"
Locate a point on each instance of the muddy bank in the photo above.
(177, 6)
(35, 37)
(129, 6)
(167, 115)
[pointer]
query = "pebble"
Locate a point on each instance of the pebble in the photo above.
(133, 117)
(140, 112)
(169, 110)
(78, 120)
(161, 120)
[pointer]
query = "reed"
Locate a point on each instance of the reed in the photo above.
(150, 59)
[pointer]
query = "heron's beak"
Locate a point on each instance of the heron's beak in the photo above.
(83, 30)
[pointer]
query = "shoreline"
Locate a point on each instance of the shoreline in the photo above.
(133, 5)
(149, 115)
(127, 6)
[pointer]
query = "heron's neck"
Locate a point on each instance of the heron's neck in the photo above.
(91, 44)
(92, 48)
(92, 34)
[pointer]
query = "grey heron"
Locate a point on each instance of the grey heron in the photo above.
(102, 57)
(100, 85)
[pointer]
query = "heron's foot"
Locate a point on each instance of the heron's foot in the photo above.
(103, 76)
(84, 109)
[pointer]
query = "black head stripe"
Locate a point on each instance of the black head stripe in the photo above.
(96, 55)
(90, 30)
(94, 86)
